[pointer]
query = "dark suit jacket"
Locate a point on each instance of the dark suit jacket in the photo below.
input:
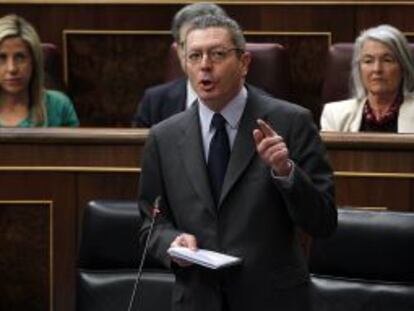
(257, 217)
(160, 102)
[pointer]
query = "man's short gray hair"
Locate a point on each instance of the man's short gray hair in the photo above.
(209, 21)
(191, 11)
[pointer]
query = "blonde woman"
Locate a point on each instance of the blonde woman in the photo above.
(24, 102)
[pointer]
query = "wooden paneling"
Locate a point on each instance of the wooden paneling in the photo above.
(375, 192)
(26, 253)
(307, 52)
(69, 192)
(71, 149)
(59, 189)
(373, 170)
(108, 71)
(370, 153)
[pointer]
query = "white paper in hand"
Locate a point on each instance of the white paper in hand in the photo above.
(203, 257)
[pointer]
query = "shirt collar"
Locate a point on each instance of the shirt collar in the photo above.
(232, 112)
(191, 95)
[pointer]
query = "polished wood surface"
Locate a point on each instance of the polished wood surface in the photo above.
(370, 154)
(373, 171)
(25, 233)
(73, 135)
(368, 140)
(66, 149)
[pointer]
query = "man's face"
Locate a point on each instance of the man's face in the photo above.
(214, 66)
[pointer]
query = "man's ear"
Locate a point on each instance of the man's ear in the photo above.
(176, 48)
(245, 60)
(180, 55)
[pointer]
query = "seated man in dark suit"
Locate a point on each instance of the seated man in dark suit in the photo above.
(162, 101)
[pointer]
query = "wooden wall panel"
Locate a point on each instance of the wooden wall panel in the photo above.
(397, 15)
(372, 170)
(388, 193)
(49, 285)
(370, 153)
(59, 189)
(307, 51)
(107, 73)
(71, 149)
(26, 255)
(364, 161)
(21, 154)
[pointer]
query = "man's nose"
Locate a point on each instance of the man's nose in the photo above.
(206, 61)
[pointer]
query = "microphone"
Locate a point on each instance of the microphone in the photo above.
(155, 211)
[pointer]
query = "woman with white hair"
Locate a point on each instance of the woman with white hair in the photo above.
(383, 84)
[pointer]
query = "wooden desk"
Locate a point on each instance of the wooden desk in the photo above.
(373, 170)
(48, 175)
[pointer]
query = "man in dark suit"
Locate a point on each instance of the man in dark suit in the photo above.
(276, 181)
(162, 101)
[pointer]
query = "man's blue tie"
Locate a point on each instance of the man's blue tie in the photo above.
(218, 155)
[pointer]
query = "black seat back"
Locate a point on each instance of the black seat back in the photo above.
(108, 260)
(367, 264)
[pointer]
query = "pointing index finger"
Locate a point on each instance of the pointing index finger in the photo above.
(265, 128)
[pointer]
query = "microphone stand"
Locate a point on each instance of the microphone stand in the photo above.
(155, 212)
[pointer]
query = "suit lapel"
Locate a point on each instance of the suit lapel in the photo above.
(244, 147)
(191, 149)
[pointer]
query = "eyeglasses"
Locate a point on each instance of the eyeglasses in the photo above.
(216, 55)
